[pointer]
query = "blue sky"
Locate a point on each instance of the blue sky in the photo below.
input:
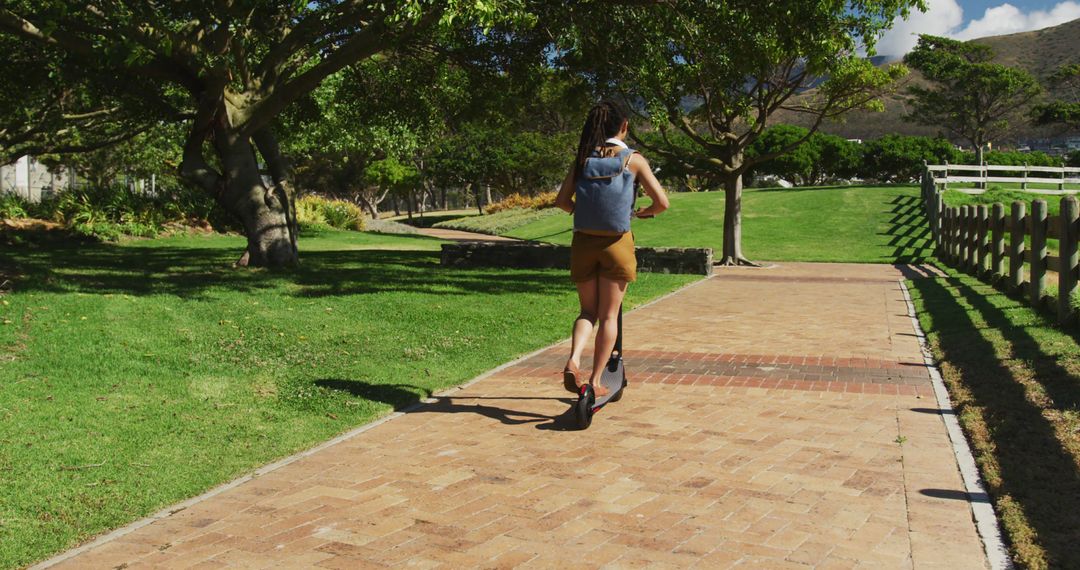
(967, 19)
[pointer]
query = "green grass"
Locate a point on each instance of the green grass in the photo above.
(849, 224)
(135, 375)
(1006, 197)
(499, 223)
(1014, 380)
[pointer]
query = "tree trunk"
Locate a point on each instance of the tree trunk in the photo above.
(371, 208)
(265, 213)
(409, 203)
(733, 222)
(487, 187)
(445, 203)
(476, 195)
(281, 175)
(262, 211)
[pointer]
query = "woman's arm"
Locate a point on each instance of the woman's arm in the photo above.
(565, 199)
(640, 167)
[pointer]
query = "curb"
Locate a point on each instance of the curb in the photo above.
(982, 510)
(271, 467)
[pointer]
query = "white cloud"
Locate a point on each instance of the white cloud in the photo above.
(1008, 19)
(946, 18)
(940, 18)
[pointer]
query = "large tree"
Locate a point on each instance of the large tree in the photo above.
(969, 95)
(715, 72)
(1064, 107)
(228, 68)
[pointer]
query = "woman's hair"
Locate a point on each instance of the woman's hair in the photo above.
(605, 120)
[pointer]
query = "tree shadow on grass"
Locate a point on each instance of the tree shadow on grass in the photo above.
(403, 396)
(1037, 472)
(195, 272)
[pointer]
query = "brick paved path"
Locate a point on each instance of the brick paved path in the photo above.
(762, 428)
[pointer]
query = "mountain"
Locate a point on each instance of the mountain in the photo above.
(1039, 52)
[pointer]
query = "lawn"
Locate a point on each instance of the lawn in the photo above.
(1005, 196)
(877, 224)
(1014, 380)
(135, 375)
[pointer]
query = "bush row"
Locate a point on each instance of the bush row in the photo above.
(112, 213)
(891, 158)
(316, 212)
(117, 212)
(514, 201)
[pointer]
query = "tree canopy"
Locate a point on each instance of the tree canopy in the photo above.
(228, 70)
(709, 76)
(969, 95)
(1064, 107)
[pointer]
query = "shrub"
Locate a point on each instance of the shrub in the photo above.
(12, 206)
(314, 211)
(112, 213)
(897, 158)
(1073, 158)
(513, 201)
(1015, 158)
(343, 215)
(819, 158)
(309, 213)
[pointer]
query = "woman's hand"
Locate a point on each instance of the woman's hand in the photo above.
(644, 213)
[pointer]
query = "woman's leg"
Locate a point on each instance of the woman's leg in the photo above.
(588, 297)
(611, 296)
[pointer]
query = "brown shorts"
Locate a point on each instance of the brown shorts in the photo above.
(594, 256)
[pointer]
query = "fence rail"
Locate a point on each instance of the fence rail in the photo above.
(945, 174)
(983, 240)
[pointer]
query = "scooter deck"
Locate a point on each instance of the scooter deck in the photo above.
(614, 379)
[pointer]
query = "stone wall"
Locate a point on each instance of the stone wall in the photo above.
(531, 255)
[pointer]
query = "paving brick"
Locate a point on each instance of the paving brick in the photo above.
(759, 430)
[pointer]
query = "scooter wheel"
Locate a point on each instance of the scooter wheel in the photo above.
(584, 408)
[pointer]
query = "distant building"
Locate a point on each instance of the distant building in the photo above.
(33, 180)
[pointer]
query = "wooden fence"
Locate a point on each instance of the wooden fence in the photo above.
(989, 242)
(969, 174)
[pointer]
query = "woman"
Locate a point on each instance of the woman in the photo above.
(599, 191)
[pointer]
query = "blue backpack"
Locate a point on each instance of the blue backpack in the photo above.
(605, 193)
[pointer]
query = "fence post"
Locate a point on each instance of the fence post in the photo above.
(950, 239)
(1070, 212)
(1016, 246)
(997, 241)
(1061, 185)
(1038, 251)
(981, 247)
(964, 239)
(972, 263)
(945, 182)
(972, 240)
(954, 235)
(938, 203)
(1023, 185)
